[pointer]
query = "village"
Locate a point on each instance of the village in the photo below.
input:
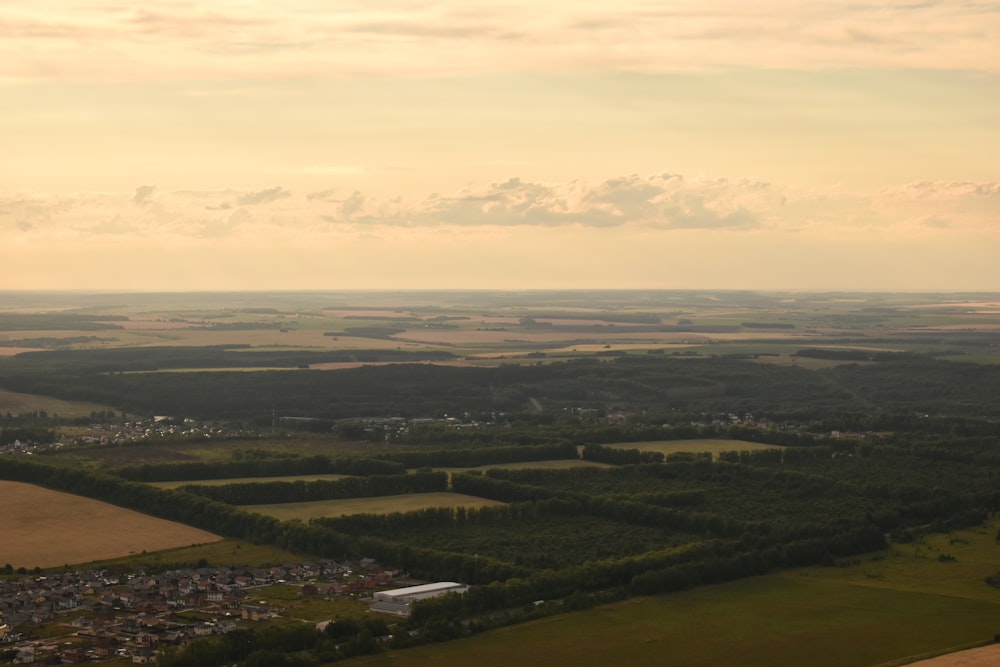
(91, 615)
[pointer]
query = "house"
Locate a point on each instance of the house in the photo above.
(144, 656)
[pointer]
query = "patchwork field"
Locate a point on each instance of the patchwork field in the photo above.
(377, 505)
(47, 528)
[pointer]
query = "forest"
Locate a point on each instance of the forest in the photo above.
(867, 446)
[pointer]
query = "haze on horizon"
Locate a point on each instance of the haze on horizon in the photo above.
(230, 144)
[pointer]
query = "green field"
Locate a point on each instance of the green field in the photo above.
(314, 609)
(881, 609)
(714, 446)
(774, 621)
(378, 505)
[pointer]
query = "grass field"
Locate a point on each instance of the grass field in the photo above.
(377, 505)
(48, 528)
(903, 602)
(774, 621)
(313, 609)
(714, 446)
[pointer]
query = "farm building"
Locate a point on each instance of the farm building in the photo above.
(398, 601)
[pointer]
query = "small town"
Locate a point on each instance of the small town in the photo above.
(101, 614)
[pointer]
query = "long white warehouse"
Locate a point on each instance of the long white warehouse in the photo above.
(397, 601)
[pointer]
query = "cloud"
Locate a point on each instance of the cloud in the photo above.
(263, 196)
(114, 41)
(143, 194)
(665, 203)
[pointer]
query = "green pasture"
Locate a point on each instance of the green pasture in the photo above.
(949, 564)
(904, 602)
(773, 621)
(712, 445)
(312, 609)
(376, 505)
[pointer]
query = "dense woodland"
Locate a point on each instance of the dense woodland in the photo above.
(870, 452)
(898, 383)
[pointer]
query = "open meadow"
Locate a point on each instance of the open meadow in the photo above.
(885, 609)
(771, 621)
(377, 505)
(48, 528)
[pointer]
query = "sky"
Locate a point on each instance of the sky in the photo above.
(348, 144)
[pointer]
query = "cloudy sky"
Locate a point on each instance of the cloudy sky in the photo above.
(234, 144)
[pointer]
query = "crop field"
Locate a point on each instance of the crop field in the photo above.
(47, 528)
(667, 447)
(554, 323)
(17, 403)
(377, 505)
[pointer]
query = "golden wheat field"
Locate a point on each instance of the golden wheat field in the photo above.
(46, 528)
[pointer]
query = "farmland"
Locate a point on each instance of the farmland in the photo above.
(872, 611)
(711, 446)
(47, 528)
(376, 505)
(679, 461)
(782, 620)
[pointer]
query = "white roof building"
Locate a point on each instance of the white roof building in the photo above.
(398, 601)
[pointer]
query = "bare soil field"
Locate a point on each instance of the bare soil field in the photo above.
(473, 337)
(372, 314)
(984, 656)
(11, 351)
(47, 528)
(339, 365)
